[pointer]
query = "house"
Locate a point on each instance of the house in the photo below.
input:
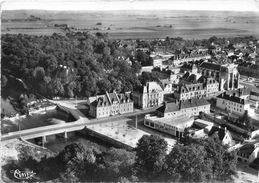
(150, 95)
(222, 134)
(110, 104)
(248, 152)
(232, 103)
(187, 108)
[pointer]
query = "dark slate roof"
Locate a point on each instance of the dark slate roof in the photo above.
(220, 132)
(124, 97)
(193, 103)
(239, 92)
(190, 87)
(254, 93)
(192, 78)
(108, 98)
(232, 98)
(186, 75)
(211, 66)
(101, 101)
(247, 149)
(113, 97)
(169, 107)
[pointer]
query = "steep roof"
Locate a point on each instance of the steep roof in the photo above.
(211, 66)
(232, 98)
(191, 87)
(169, 107)
(193, 103)
(220, 132)
(247, 149)
(112, 97)
(124, 97)
(176, 106)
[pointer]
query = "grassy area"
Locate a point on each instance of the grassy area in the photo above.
(7, 108)
(136, 24)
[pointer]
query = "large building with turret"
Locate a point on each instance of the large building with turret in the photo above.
(227, 75)
(150, 95)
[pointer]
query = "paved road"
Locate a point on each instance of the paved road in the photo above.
(249, 85)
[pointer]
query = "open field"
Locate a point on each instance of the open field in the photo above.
(135, 24)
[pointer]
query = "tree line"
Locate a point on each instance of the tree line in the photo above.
(77, 64)
(199, 161)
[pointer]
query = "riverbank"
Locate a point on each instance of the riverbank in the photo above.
(37, 118)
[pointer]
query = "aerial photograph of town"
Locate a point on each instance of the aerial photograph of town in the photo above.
(130, 91)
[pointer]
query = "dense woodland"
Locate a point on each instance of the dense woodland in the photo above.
(78, 64)
(190, 161)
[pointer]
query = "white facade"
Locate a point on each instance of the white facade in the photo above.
(232, 106)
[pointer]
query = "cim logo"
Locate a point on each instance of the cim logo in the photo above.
(22, 175)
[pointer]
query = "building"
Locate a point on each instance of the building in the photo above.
(110, 104)
(189, 91)
(232, 103)
(172, 126)
(212, 86)
(174, 117)
(222, 134)
(150, 95)
(188, 57)
(248, 153)
(254, 96)
(227, 75)
(185, 108)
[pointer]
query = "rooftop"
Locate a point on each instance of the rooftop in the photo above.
(176, 106)
(232, 98)
(211, 66)
(179, 122)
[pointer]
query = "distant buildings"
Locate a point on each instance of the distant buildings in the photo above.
(188, 57)
(150, 95)
(174, 117)
(227, 75)
(110, 104)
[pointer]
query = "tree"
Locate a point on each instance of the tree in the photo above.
(150, 156)
(223, 162)
(4, 81)
(188, 163)
(74, 158)
(23, 100)
(119, 163)
(186, 139)
(39, 74)
(136, 66)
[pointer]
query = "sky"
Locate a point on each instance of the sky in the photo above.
(216, 5)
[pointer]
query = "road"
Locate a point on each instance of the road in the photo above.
(81, 123)
(250, 85)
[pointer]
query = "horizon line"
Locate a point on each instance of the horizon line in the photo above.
(105, 10)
